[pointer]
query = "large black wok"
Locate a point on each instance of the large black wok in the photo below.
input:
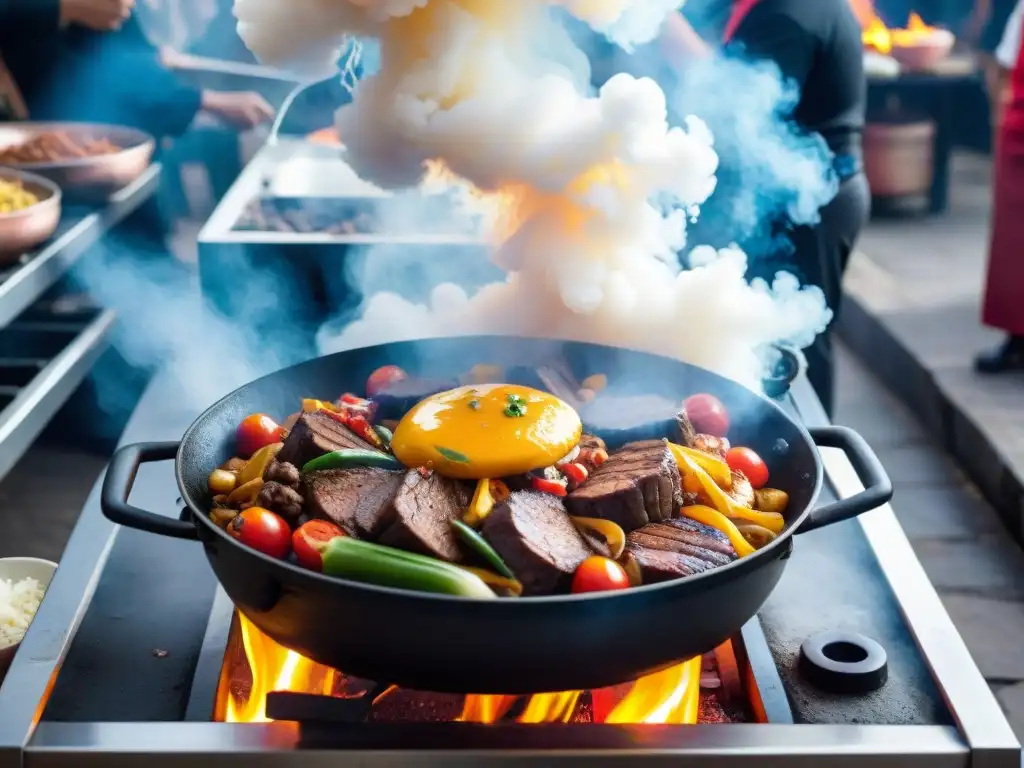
(439, 643)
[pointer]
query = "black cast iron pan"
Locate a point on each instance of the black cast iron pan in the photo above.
(431, 642)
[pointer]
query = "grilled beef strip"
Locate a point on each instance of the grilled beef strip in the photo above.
(638, 484)
(679, 547)
(536, 539)
(357, 500)
(315, 434)
(420, 515)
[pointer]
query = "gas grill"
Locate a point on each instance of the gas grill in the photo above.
(137, 657)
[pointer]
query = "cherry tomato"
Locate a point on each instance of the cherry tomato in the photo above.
(553, 487)
(309, 541)
(382, 378)
(257, 431)
(599, 574)
(262, 530)
(750, 464)
(707, 414)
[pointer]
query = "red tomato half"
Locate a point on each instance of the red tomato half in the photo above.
(707, 414)
(262, 530)
(382, 378)
(750, 464)
(309, 541)
(257, 431)
(599, 574)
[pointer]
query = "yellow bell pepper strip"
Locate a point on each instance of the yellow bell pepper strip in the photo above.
(720, 500)
(720, 522)
(479, 545)
(221, 481)
(349, 558)
(757, 535)
(247, 492)
(610, 533)
(310, 405)
(632, 569)
(481, 505)
(258, 463)
(500, 584)
(714, 466)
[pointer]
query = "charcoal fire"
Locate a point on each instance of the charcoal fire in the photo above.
(588, 195)
(701, 690)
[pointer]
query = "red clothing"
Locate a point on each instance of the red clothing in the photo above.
(1004, 291)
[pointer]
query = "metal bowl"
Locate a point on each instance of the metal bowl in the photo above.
(21, 231)
(87, 178)
(16, 569)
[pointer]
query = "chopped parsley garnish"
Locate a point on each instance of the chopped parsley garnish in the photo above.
(516, 407)
(451, 455)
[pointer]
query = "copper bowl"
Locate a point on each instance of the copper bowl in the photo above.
(924, 54)
(93, 178)
(21, 231)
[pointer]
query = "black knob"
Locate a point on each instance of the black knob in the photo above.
(844, 662)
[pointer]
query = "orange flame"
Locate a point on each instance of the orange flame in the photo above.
(880, 38)
(671, 696)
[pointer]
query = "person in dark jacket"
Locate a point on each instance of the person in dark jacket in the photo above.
(816, 45)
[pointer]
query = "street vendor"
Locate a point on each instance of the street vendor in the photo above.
(1003, 306)
(817, 45)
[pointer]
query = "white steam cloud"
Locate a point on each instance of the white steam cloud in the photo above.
(590, 192)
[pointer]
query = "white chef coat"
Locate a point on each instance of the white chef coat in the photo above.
(1009, 47)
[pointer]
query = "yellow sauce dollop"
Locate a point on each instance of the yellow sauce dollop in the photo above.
(485, 431)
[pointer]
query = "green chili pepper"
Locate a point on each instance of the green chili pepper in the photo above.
(350, 558)
(347, 458)
(479, 544)
(385, 434)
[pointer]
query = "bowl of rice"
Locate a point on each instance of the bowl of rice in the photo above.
(23, 582)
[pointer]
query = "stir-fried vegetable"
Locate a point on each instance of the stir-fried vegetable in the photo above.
(503, 586)
(482, 503)
(245, 493)
(715, 467)
(347, 458)
(311, 539)
(750, 464)
(222, 481)
(256, 431)
(599, 574)
(757, 535)
(771, 500)
(384, 377)
(309, 405)
(726, 506)
(349, 558)
(554, 487)
(707, 414)
(257, 465)
(717, 520)
(262, 530)
(478, 544)
(602, 534)
(385, 435)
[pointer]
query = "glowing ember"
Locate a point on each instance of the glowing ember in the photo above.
(593, 192)
(255, 665)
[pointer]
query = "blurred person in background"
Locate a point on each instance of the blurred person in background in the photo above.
(985, 29)
(817, 45)
(89, 60)
(1003, 305)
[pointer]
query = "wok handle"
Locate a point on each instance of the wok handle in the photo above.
(877, 485)
(117, 485)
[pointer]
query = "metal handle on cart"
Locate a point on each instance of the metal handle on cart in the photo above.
(117, 486)
(877, 485)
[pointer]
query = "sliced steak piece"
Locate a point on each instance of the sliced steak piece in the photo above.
(637, 485)
(536, 539)
(677, 548)
(357, 500)
(315, 434)
(421, 512)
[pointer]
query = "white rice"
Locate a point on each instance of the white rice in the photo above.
(19, 601)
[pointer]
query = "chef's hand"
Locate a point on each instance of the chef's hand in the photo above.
(100, 15)
(239, 109)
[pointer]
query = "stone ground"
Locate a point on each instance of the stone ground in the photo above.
(958, 536)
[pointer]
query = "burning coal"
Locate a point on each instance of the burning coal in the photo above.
(590, 193)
